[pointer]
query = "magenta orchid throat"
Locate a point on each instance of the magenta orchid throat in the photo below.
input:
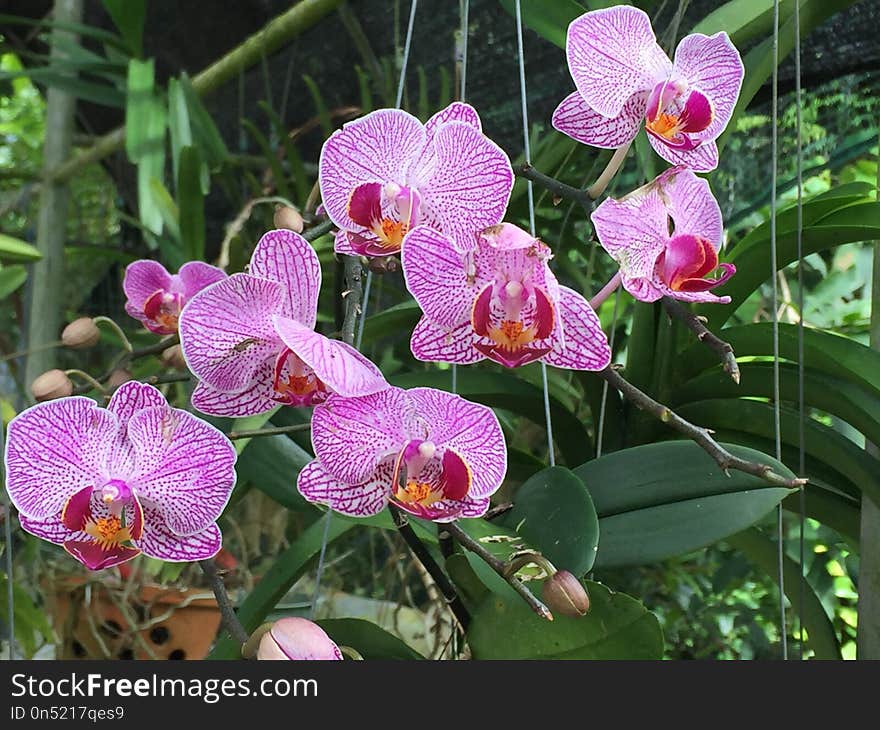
(109, 484)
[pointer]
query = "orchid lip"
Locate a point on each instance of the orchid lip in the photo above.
(386, 213)
(162, 310)
(301, 386)
(424, 477)
(673, 113)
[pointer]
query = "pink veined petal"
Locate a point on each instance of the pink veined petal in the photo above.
(432, 342)
(159, 542)
(352, 435)
(471, 430)
(465, 182)
(255, 399)
(131, 397)
(576, 119)
(713, 65)
(584, 346)
(700, 159)
(457, 111)
(287, 258)
(337, 364)
(612, 54)
(142, 279)
(50, 529)
(379, 147)
(695, 296)
(692, 206)
(185, 467)
(436, 274)
(633, 231)
(470, 507)
(54, 450)
(226, 331)
(197, 275)
(505, 237)
(342, 244)
(367, 498)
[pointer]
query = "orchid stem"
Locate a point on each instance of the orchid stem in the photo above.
(28, 351)
(272, 431)
(554, 186)
(500, 567)
(424, 556)
(598, 187)
(723, 349)
(227, 611)
(701, 436)
(88, 378)
(116, 328)
(606, 291)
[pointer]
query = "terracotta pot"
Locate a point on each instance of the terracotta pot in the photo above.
(92, 622)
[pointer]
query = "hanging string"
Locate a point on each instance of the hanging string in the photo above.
(531, 196)
(600, 428)
(398, 101)
(365, 300)
(802, 467)
(777, 413)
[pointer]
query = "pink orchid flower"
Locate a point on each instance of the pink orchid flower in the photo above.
(109, 484)
(297, 638)
(654, 260)
(250, 341)
(623, 76)
(386, 173)
(431, 453)
(497, 300)
(157, 298)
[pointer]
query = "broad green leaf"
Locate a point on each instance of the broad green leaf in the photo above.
(31, 622)
(178, 123)
(822, 443)
(744, 20)
(763, 552)
(506, 390)
(191, 202)
(11, 278)
(288, 567)
(616, 627)
(369, 640)
(139, 108)
(250, 423)
(548, 18)
(674, 497)
(859, 407)
(398, 320)
(205, 133)
(553, 511)
(14, 249)
(271, 464)
(128, 16)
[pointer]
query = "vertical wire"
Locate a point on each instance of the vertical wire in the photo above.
(367, 286)
(7, 535)
(400, 86)
(799, 156)
(777, 414)
(600, 429)
(464, 9)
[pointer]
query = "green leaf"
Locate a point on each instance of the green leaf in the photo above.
(11, 278)
(170, 215)
(506, 390)
(205, 133)
(744, 20)
(250, 423)
(140, 106)
(553, 511)
(849, 224)
(271, 464)
(271, 158)
(129, 16)
(53, 77)
(369, 640)
(178, 123)
(191, 201)
(673, 496)
(762, 551)
(398, 320)
(288, 567)
(548, 18)
(14, 249)
(616, 627)
(31, 621)
(320, 107)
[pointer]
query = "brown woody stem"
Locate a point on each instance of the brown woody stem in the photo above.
(723, 349)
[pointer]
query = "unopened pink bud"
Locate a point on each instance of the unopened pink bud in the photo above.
(52, 384)
(565, 594)
(81, 333)
(287, 217)
(173, 358)
(118, 377)
(297, 638)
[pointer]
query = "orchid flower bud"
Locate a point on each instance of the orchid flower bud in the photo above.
(81, 333)
(297, 638)
(287, 217)
(565, 594)
(118, 377)
(173, 358)
(51, 384)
